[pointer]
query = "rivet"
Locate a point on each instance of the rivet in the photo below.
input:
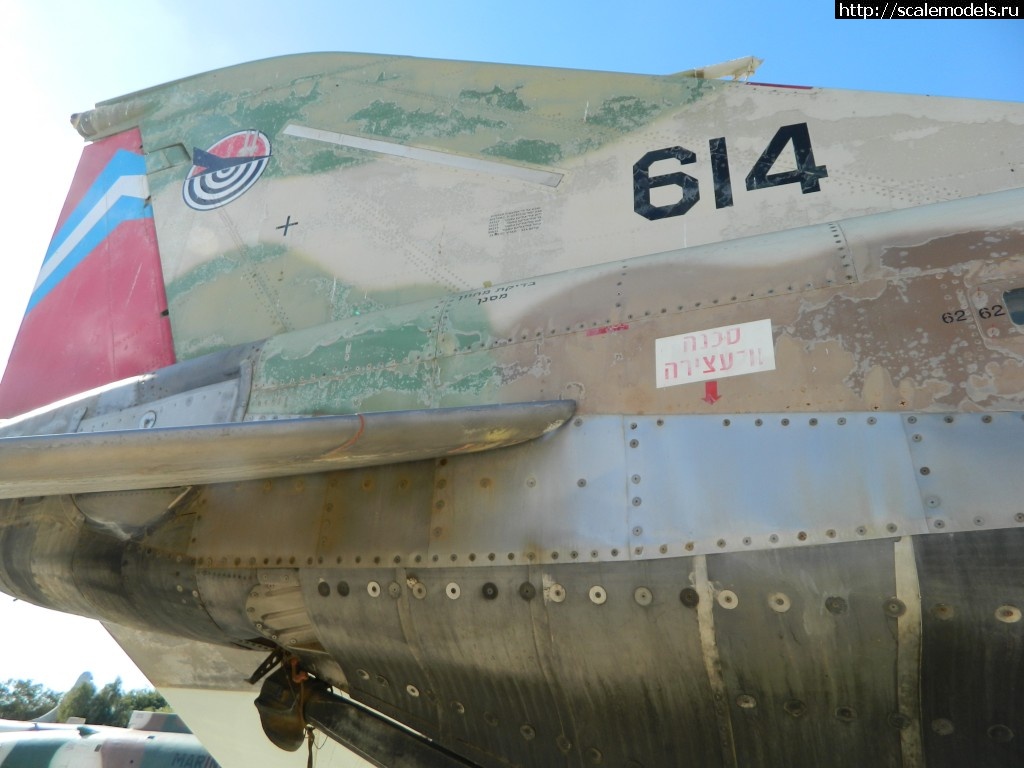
(721, 543)
(774, 538)
(598, 596)
(939, 523)
(373, 589)
(872, 421)
(912, 419)
(643, 596)
(1000, 734)
(363, 674)
(556, 593)
(453, 591)
(917, 438)
(412, 690)
(779, 602)
(635, 479)
(663, 549)
(758, 422)
(948, 419)
(634, 443)
(795, 708)
(986, 419)
(594, 755)
(831, 533)
(747, 541)
(581, 482)
(841, 421)
(323, 588)
(419, 590)
(802, 536)
(563, 744)
(489, 590)
(813, 422)
(894, 607)
(527, 732)
(1019, 517)
(458, 708)
(637, 501)
(689, 546)
(727, 599)
(891, 527)
(979, 520)
(394, 589)
(785, 422)
(637, 530)
(1008, 614)
(861, 530)
(942, 726)
(836, 605)
(527, 591)
(746, 701)
(689, 597)
(899, 720)
(846, 714)
(925, 471)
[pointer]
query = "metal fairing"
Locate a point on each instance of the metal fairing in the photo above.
(502, 413)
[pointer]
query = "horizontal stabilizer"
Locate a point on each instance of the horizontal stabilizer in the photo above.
(155, 458)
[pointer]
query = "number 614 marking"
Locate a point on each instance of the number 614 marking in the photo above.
(806, 174)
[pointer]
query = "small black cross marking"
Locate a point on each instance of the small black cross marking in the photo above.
(287, 223)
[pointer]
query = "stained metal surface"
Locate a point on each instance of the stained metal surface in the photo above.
(123, 460)
(973, 648)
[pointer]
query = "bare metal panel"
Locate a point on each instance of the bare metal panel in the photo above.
(788, 624)
(492, 660)
(968, 468)
(144, 458)
(973, 648)
(212, 404)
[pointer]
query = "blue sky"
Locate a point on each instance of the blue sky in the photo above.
(62, 56)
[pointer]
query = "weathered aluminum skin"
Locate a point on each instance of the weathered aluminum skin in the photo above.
(817, 562)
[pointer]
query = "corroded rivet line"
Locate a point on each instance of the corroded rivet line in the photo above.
(905, 607)
(705, 592)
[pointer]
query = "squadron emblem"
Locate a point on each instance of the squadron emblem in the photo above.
(226, 170)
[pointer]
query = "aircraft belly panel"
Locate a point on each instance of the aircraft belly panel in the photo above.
(788, 625)
(499, 669)
(973, 648)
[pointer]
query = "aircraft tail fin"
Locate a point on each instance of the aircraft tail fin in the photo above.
(51, 716)
(98, 311)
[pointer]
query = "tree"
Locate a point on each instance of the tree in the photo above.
(25, 700)
(110, 705)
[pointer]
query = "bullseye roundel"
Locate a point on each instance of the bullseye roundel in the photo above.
(226, 170)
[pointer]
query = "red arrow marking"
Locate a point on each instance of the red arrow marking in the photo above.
(711, 395)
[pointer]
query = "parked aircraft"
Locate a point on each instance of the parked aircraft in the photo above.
(151, 740)
(496, 415)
